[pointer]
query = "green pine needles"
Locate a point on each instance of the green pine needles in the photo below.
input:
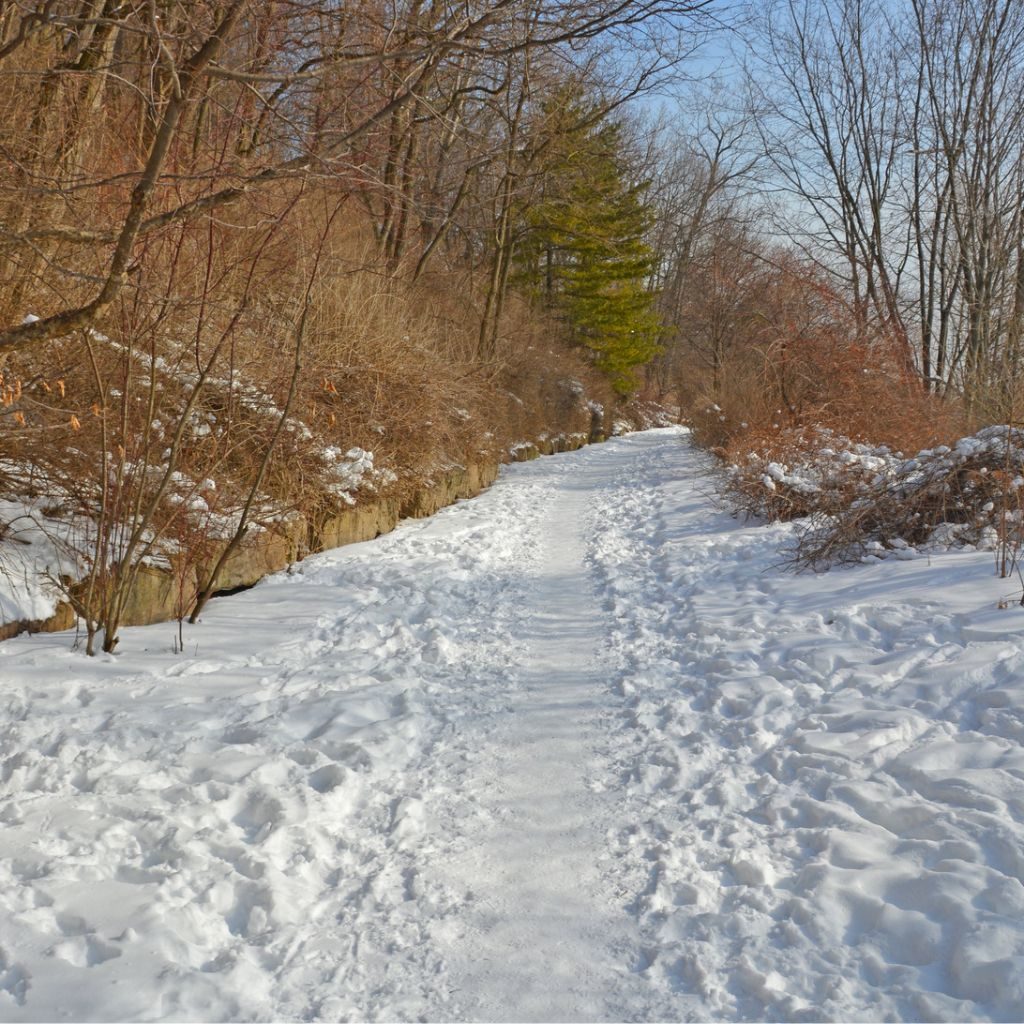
(584, 252)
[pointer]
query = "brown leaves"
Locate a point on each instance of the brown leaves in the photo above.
(10, 391)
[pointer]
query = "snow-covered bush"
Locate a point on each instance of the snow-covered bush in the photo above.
(797, 473)
(859, 502)
(970, 493)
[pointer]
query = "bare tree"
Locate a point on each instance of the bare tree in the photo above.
(830, 103)
(896, 130)
(703, 177)
(974, 87)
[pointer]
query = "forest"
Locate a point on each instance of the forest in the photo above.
(262, 259)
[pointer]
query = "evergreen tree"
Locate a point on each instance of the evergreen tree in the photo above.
(584, 253)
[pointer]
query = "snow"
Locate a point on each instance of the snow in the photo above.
(42, 541)
(35, 552)
(349, 471)
(826, 462)
(577, 749)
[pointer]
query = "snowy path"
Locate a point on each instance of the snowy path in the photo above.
(552, 939)
(575, 750)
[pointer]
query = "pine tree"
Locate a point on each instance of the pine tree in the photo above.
(584, 253)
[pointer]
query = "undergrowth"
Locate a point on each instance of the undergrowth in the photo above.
(856, 502)
(251, 393)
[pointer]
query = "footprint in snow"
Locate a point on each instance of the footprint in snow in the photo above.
(15, 981)
(85, 951)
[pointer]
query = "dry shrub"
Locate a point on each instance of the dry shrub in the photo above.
(799, 357)
(972, 493)
(543, 388)
(856, 502)
(789, 474)
(647, 412)
(383, 375)
(851, 390)
(812, 417)
(742, 410)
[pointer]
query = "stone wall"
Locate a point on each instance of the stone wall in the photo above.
(156, 596)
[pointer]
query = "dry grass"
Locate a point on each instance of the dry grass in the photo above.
(388, 368)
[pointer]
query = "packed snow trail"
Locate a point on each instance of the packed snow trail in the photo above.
(575, 750)
(551, 939)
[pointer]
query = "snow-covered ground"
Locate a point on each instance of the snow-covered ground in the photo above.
(577, 749)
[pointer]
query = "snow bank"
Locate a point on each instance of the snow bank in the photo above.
(34, 554)
(826, 773)
(816, 783)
